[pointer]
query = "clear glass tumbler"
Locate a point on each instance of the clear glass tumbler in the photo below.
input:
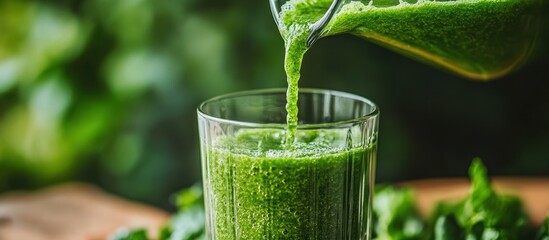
(257, 186)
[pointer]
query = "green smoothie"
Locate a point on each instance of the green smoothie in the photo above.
(261, 189)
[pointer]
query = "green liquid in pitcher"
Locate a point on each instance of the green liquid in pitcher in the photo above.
(262, 190)
(478, 39)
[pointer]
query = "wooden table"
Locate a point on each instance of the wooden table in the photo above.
(72, 212)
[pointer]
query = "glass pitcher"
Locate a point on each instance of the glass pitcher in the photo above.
(478, 39)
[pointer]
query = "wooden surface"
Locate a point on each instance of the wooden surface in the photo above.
(71, 212)
(534, 193)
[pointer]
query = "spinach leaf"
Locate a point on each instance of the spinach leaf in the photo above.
(448, 228)
(125, 234)
(543, 233)
(395, 215)
(484, 214)
(189, 223)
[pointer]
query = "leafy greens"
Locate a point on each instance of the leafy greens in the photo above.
(482, 215)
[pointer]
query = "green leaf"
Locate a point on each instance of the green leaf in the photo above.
(543, 233)
(165, 233)
(484, 214)
(190, 197)
(125, 234)
(448, 228)
(395, 214)
(189, 223)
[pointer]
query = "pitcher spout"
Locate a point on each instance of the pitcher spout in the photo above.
(317, 28)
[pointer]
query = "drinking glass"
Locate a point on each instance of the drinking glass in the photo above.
(258, 185)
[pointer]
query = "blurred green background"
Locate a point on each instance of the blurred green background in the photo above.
(106, 91)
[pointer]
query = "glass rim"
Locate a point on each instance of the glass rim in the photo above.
(343, 123)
